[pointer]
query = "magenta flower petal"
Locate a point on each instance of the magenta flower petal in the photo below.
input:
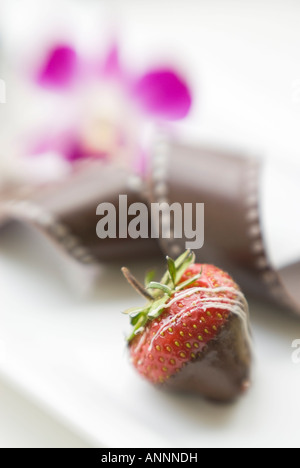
(62, 143)
(60, 67)
(76, 152)
(45, 145)
(163, 93)
(111, 66)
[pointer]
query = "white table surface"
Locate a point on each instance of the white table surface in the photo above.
(24, 425)
(62, 348)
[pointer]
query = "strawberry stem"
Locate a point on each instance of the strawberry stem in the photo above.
(136, 284)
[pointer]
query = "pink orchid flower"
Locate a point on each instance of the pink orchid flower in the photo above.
(105, 106)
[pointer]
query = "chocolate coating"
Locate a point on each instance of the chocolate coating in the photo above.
(222, 371)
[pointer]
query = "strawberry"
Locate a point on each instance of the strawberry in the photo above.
(193, 333)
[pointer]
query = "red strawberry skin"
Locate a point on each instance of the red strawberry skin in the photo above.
(183, 331)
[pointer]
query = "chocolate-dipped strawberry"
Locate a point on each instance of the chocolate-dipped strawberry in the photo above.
(193, 332)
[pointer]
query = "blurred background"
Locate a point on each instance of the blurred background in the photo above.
(240, 63)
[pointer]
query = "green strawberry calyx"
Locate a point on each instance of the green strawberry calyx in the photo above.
(158, 293)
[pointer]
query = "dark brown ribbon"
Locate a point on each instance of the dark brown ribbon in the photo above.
(227, 183)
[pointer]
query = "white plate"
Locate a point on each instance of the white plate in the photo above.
(67, 352)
